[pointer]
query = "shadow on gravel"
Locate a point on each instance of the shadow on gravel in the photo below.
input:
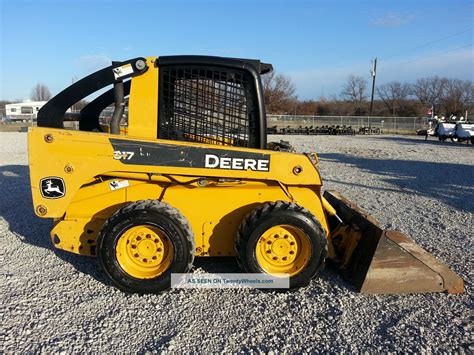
(416, 140)
(449, 183)
(16, 207)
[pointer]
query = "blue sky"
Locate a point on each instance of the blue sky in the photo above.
(317, 43)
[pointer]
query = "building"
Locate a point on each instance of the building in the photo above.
(23, 111)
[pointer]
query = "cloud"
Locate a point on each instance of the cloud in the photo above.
(455, 63)
(92, 62)
(392, 20)
(312, 83)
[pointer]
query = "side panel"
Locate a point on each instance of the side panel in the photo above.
(76, 157)
(214, 210)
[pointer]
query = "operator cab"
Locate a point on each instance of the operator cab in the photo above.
(204, 99)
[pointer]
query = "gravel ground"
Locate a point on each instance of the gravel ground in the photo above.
(56, 301)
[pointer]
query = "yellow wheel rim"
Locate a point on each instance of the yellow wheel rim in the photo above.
(144, 252)
(283, 249)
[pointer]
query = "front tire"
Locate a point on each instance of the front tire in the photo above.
(282, 238)
(143, 243)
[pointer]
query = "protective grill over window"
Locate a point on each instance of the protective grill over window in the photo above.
(205, 104)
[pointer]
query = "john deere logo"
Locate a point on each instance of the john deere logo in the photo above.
(52, 187)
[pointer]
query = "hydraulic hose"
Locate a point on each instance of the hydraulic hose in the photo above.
(119, 108)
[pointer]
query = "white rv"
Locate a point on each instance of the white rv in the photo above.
(23, 111)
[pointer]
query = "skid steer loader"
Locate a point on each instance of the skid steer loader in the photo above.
(190, 173)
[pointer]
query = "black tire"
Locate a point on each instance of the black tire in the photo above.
(152, 213)
(276, 213)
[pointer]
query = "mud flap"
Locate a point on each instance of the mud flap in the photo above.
(383, 262)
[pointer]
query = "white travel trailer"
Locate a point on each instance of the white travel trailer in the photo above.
(23, 111)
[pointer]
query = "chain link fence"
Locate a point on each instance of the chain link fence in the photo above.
(405, 125)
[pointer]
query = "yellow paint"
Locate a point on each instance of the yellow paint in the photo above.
(214, 201)
(143, 103)
(283, 249)
(209, 140)
(144, 252)
(327, 206)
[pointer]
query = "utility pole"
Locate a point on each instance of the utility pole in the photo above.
(374, 73)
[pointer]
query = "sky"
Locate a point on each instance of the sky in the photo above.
(318, 44)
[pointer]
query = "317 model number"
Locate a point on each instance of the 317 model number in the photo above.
(123, 155)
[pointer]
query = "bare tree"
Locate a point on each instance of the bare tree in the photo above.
(279, 93)
(355, 91)
(457, 96)
(78, 106)
(429, 91)
(393, 95)
(40, 93)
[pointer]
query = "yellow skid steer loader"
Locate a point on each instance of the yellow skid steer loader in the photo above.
(182, 168)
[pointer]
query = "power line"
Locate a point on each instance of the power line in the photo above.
(431, 42)
(433, 55)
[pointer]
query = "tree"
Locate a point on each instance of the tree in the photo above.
(393, 95)
(354, 91)
(457, 95)
(78, 106)
(429, 91)
(279, 93)
(40, 93)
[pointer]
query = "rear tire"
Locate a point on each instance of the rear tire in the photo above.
(143, 243)
(305, 257)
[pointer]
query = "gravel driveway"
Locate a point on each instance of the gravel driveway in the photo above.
(56, 301)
